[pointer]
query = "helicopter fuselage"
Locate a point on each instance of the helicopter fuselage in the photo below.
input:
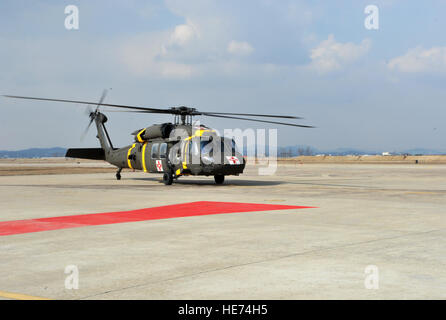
(156, 157)
(172, 149)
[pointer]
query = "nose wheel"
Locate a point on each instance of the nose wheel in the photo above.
(167, 178)
(168, 174)
(219, 179)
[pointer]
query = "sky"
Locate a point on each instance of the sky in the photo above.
(374, 89)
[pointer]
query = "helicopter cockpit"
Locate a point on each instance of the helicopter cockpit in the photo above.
(206, 148)
(214, 150)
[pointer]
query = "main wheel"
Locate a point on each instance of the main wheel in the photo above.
(118, 176)
(219, 179)
(167, 178)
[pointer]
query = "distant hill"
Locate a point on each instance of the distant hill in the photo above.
(34, 153)
(306, 150)
(293, 151)
(424, 151)
(289, 151)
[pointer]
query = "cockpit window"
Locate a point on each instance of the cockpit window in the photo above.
(203, 147)
(234, 146)
(209, 147)
(229, 146)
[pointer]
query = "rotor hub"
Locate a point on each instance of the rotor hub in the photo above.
(183, 110)
(183, 114)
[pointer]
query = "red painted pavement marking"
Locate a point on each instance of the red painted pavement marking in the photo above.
(190, 209)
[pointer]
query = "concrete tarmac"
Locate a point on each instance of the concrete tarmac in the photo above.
(388, 220)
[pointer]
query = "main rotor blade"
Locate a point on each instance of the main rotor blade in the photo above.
(134, 111)
(264, 121)
(210, 114)
(153, 110)
(186, 111)
(250, 115)
(229, 117)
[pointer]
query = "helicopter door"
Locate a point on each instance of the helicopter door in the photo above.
(158, 157)
(155, 159)
(163, 156)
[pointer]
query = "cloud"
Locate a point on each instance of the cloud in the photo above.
(197, 47)
(162, 53)
(420, 60)
(183, 34)
(145, 55)
(240, 48)
(330, 55)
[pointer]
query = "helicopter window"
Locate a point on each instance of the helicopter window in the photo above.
(174, 153)
(154, 152)
(228, 146)
(163, 150)
(203, 144)
(234, 147)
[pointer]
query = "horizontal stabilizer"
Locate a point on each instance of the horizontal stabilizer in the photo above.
(86, 153)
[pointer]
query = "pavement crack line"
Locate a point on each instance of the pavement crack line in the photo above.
(260, 261)
(369, 188)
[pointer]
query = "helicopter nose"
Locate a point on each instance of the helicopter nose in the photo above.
(232, 160)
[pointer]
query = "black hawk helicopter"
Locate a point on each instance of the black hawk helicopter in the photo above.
(173, 149)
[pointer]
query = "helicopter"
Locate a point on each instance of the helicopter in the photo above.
(174, 149)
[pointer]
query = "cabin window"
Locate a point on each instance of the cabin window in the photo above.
(154, 153)
(163, 150)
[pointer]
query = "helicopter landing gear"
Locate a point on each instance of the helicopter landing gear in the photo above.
(168, 178)
(118, 174)
(219, 178)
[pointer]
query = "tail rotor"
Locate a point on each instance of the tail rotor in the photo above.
(92, 114)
